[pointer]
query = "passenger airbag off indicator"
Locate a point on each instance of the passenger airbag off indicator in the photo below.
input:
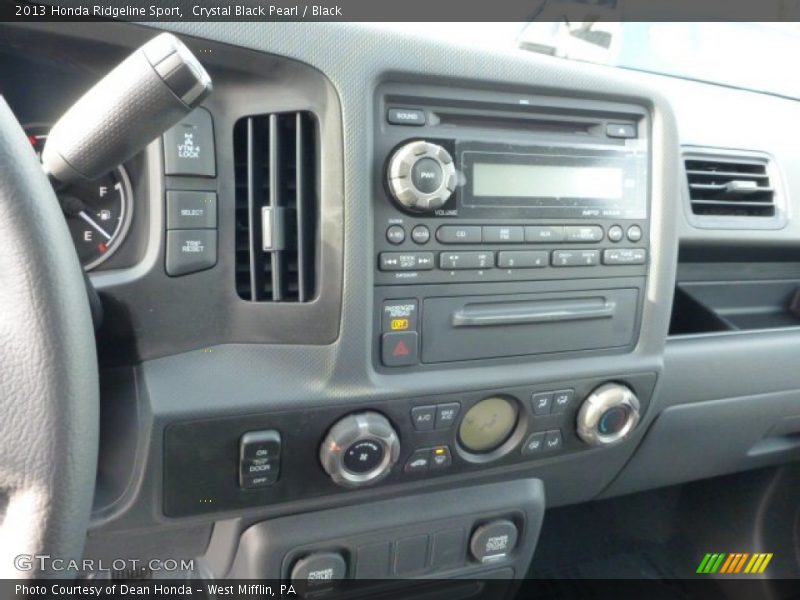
(399, 315)
(399, 339)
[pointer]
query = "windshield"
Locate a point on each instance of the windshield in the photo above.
(754, 56)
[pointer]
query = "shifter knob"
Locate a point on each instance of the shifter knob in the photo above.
(137, 101)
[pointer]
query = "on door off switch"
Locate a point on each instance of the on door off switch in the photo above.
(259, 458)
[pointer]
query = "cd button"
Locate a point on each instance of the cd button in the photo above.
(454, 234)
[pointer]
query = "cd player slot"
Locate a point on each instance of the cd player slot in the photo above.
(535, 124)
(519, 313)
(482, 327)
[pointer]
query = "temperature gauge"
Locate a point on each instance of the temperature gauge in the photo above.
(98, 212)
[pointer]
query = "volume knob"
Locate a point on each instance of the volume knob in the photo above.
(360, 449)
(421, 176)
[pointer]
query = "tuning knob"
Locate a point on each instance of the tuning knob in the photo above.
(608, 415)
(421, 176)
(360, 449)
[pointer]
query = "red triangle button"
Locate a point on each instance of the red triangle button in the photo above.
(401, 349)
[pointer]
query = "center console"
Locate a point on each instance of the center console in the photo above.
(506, 226)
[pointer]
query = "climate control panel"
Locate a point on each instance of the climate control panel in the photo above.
(236, 462)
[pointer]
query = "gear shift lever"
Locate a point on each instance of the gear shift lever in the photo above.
(142, 97)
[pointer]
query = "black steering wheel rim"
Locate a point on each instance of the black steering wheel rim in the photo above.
(48, 372)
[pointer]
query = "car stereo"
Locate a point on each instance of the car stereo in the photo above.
(540, 204)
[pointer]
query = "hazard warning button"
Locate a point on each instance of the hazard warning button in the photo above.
(399, 349)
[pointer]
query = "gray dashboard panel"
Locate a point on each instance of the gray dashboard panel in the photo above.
(235, 379)
(241, 378)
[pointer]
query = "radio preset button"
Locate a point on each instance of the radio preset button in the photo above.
(455, 234)
(544, 234)
(576, 258)
(405, 116)
(406, 261)
(451, 261)
(522, 259)
(584, 234)
(498, 234)
(624, 256)
(634, 233)
(395, 234)
(420, 234)
(426, 175)
(615, 233)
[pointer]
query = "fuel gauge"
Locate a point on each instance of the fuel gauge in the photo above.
(98, 212)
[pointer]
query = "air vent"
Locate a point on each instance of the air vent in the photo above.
(277, 204)
(735, 187)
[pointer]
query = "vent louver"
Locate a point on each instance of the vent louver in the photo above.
(276, 207)
(735, 187)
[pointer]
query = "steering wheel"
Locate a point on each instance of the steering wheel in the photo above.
(48, 373)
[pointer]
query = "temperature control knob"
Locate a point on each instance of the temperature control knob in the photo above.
(360, 449)
(608, 415)
(421, 176)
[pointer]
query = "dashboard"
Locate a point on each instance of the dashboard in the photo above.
(372, 277)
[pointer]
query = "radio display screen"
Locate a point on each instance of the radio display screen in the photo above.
(551, 182)
(537, 181)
